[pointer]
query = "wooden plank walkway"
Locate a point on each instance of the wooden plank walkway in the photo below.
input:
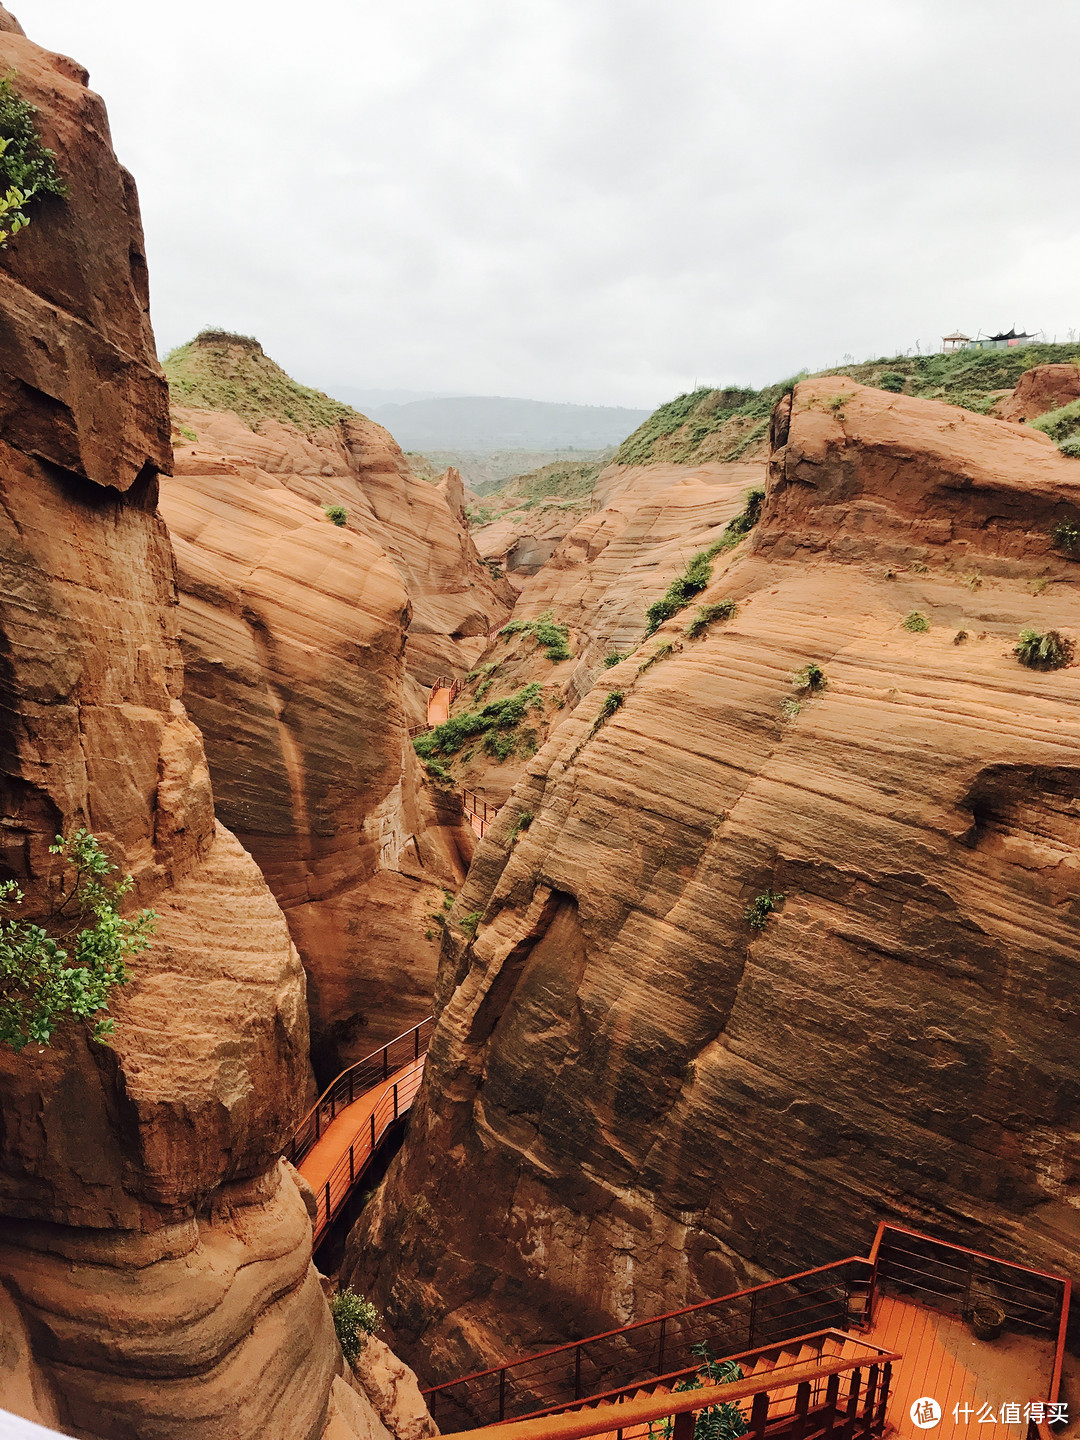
(943, 1359)
(343, 1152)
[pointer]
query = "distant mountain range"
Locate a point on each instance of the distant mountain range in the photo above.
(495, 422)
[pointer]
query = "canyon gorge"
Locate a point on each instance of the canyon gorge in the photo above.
(770, 933)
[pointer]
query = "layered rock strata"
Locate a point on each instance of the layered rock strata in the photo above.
(665, 1103)
(294, 634)
(155, 1257)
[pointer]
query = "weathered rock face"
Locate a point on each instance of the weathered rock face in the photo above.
(155, 1258)
(1040, 389)
(601, 576)
(633, 1099)
(294, 632)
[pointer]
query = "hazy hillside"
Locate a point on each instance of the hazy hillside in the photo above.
(491, 422)
(221, 371)
(733, 424)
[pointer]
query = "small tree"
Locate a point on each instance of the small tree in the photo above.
(39, 988)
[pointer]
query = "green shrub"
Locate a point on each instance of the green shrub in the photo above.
(39, 988)
(660, 652)
(915, 621)
(438, 772)
(546, 631)
(1066, 536)
(715, 1422)
(790, 709)
(611, 659)
(722, 610)
(1071, 447)
(811, 677)
(354, 1320)
(337, 513)
(891, 380)
(761, 907)
(1048, 650)
(1060, 424)
(188, 434)
(612, 700)
(469, 922)
(522, 823)
(27, 168)
(451, 736)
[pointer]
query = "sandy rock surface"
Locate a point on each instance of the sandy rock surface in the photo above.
(666, 1104)
(155, 1259)
(303, 643)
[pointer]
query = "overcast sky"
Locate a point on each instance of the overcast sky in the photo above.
(592, 200)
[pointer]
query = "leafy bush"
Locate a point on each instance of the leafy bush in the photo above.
(449, 737)
(337, 513)
(438, 772)
(38, 988)
(188, 434)
(546, 631)
(790, 709)
(1071, 447)
(469, 922)
(891, 380)
(722, 610)
(698, 571)
(1048, 650)
(522, 823)
(1066, 536)
(354, 1320)
(761, 907)
(915, 621)
(810, 677)
(27, 168)
(715, 1422)
(611, 659)
(612, 700)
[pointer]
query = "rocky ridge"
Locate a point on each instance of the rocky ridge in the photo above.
(305, 643)
(667, 1103)
(155, 1255)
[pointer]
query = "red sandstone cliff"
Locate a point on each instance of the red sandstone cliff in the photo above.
(294, 633)
(155, 1256)
(634, 1100)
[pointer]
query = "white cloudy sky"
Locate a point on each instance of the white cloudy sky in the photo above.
(592, 200)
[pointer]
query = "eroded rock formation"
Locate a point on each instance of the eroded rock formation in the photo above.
(1040, 389)
(662, 1103)
(155, 1256)
(294, 635)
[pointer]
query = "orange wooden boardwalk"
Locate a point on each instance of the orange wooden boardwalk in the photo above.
(944, 1360)
(344, 1150)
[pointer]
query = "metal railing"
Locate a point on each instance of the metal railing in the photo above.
(397, 1098)
(479, 811)
(953, 1278)
(354, 1082)
(830, 1296)
(808, 1392)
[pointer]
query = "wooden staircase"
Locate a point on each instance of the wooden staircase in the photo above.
(825, 1386)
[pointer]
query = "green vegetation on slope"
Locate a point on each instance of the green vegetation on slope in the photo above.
(727, 424)
(497, 722)
(221, 371)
